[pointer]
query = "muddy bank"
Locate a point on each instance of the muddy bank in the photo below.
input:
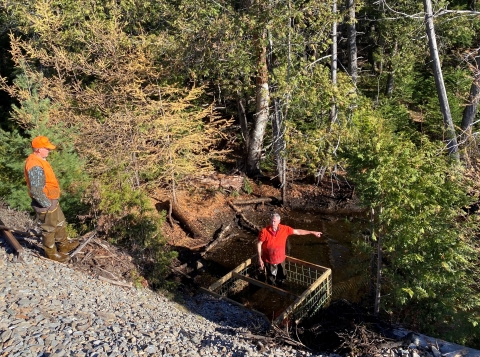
(209, 208)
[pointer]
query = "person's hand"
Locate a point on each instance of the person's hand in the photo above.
(260, 263)
(317, 234)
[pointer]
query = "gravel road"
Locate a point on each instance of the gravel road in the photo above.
(49, 309)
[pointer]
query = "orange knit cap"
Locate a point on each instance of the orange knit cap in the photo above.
(42, 142)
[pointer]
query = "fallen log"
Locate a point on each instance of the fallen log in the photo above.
(215, 243)
(252, 225)
(12, 241)
(222, 181)
(221, 236)
(31, 243)
(198, 246)
(169, 216)
(253, 201)
(185, 221)
(176, 270)
(19, 233)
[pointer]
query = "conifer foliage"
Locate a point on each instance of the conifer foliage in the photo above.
(427, 269)
(97, 85)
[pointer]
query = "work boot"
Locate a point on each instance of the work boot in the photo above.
(67, 245)
(52, 254)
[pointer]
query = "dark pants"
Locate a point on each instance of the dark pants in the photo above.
(275, 273)
(52, 222)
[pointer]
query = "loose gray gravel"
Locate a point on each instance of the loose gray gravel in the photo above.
(49, 309)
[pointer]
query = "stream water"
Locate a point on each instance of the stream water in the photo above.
(335, 250)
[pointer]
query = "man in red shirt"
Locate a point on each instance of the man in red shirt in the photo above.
(271, 248)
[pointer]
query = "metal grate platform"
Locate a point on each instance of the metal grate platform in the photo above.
(309, 288)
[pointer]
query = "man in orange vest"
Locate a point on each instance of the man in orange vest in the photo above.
(44, 190)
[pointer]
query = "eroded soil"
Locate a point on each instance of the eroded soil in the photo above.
(208, 209)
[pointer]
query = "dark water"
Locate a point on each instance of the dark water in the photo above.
(335, 250)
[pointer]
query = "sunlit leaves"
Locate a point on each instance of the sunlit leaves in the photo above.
(106, 82)
(430, 259)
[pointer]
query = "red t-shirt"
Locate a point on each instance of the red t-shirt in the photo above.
(273, 246)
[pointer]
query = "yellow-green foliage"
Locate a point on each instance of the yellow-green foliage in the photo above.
(107, 84)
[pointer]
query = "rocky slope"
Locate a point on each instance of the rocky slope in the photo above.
(50, 309)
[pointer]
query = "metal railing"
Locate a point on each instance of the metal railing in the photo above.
(314, 282)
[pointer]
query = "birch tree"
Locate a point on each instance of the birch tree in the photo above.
(352, 41)
(334, 59)
(262, 110)
(451, 138)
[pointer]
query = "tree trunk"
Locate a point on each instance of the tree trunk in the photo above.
(390, 83)
(261, 112)
(473, 99)
(333, 111)
(186, 222)
(242, 118)
(451, 138)
(279, 145)
(352, 42)
(378, 288)
(390, 77)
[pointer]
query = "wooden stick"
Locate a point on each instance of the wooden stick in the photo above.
(198, 246)
(176, 270)
(31, 243)
(20, 233)
(170, 219)
(221, 237)
(12, 241)
(215, 243)
(253, 201)
(252, 225)
(94, 233)
(127, 285)
(86, 256)
(110, 273)
(103, 246)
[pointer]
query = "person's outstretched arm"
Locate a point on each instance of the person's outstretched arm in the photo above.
(302, 232)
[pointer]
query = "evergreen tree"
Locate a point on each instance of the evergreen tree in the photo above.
(429, 263)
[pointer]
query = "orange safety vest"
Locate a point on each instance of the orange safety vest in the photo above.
(52, 188)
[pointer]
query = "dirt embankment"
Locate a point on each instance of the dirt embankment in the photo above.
(209, 208)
